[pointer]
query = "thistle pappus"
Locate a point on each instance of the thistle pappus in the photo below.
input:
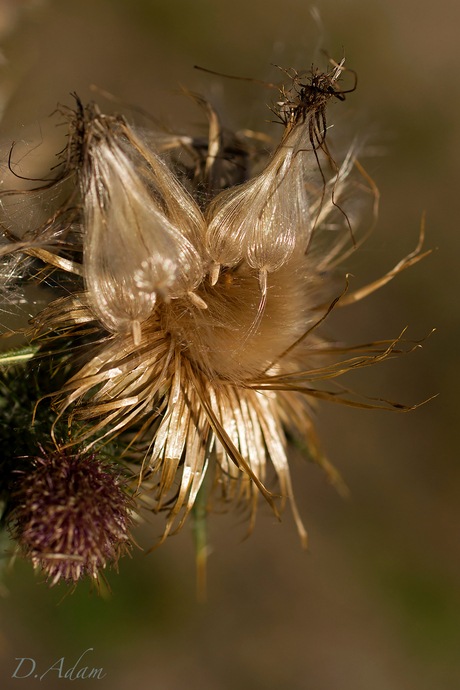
(198, 291)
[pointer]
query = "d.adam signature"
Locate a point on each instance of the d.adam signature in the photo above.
(26, 669)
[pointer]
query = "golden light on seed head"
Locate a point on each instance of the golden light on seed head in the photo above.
(199, 292)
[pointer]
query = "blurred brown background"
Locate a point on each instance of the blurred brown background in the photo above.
(375, 604)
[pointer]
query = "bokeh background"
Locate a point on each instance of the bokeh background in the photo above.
(375, 603)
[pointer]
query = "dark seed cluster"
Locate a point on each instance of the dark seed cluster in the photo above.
(72, 515)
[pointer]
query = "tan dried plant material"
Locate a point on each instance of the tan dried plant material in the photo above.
(200, 295)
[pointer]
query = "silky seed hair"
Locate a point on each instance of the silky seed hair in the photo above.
(198, 298)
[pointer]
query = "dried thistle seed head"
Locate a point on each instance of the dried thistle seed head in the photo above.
(266, 220)
(139, 236)
(191, 375)
(73, 515)
(142, 238)
(203, 367)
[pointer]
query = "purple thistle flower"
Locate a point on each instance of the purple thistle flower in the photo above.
(72, 516)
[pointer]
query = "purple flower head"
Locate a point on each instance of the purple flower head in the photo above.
(72, 516)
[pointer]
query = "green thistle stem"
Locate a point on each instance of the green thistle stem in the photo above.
(199, 527)
(21, 355)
